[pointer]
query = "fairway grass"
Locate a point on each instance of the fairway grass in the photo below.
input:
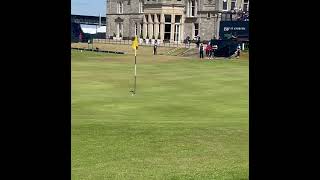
(188, 120)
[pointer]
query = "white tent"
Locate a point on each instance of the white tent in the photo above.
(102, 29)
(93, 29)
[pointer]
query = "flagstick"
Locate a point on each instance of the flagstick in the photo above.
(135, 70)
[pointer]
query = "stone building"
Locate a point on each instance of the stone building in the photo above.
(170, 20)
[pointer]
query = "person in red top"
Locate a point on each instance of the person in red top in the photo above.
(209, 50)
(80, 37)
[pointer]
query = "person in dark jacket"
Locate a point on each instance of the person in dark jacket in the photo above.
(201, 51)
(188, 41)
(155, 46)
(214, 48)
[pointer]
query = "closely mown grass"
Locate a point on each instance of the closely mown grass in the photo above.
(188, 120)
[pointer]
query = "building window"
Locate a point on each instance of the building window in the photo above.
(167, 27)
(159, 20)
(208, 15)
(224, 5)
(176, 36)
(246, 5)
(153, 29)
(120, 7)
(167, 18)
(159, 32)
(177, 28)
(193, 4)
(196, 29)
(177, 19)
(140, 6)
(141, 29)
(167, 31)
(191, 8)
(136, 29)
(233, 4)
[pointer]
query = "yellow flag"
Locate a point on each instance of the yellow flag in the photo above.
(135, 43)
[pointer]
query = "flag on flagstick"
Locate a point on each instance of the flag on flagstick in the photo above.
(135, 45)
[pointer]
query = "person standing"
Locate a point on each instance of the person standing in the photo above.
(207, 50)
(80, 37)
(201, 51)
(238, 52)
(214, 48)
(239, 46)
(211, 52)
(155, 47)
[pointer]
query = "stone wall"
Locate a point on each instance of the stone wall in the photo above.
(131, 15)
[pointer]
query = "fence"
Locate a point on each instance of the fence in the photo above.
(144, 43)
(98, 50)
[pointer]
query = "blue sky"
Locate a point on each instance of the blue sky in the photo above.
(88, 7)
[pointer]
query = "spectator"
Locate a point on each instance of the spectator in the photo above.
(185, 42)
(214, 49)
(239, 46)
(208, 51)
(211, 52)
(198, 41)
(201, 51)
(155, 48)
(238, 52)
(80, 37)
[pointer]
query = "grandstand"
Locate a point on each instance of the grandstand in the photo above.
(84, 28)
(87, 32)
(75, 32)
